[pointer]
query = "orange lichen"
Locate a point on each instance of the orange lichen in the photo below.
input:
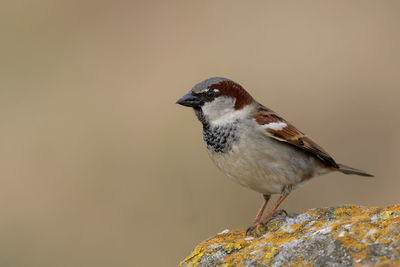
(357, 234)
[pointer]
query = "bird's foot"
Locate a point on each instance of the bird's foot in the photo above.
(280, 213)
(274, 214)
(261, 227)
(256, 229)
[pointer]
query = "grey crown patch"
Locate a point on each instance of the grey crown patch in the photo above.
(207, 83)
(220, 138)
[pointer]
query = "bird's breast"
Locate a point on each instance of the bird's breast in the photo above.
(257, 161)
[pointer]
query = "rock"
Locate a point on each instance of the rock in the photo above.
(341, 236)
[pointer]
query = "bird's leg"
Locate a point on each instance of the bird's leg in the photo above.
(258, 217)
(260, 212)
(272, 212)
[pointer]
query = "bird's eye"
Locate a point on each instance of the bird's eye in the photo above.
(210, 93)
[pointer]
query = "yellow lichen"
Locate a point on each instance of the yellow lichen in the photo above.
(352, 226)
(385, 214)
(194, 256)
(272, 226)
(270, 253)
(231, 247)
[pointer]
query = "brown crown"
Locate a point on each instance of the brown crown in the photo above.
(234, 90)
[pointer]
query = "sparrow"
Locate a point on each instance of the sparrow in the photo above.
(254, 146)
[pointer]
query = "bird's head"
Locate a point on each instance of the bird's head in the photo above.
(217, 100)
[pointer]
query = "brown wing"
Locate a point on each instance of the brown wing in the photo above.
(283, 131)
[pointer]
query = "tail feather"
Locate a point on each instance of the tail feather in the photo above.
(349, 170)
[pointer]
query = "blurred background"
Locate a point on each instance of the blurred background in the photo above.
(100, 167)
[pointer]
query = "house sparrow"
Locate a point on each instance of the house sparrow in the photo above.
(255, 146)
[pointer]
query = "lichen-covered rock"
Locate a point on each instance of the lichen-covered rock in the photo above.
(341, 236)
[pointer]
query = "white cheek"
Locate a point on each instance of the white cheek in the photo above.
(222, 110)
(218, 108)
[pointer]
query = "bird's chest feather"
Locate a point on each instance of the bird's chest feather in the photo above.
(220, 138)
(255, 160)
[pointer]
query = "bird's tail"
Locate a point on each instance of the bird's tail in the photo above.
(349, 170)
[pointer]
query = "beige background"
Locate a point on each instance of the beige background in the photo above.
(99, 167)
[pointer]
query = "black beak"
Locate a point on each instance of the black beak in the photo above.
(189, 100)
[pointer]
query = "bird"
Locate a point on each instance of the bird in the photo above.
(254, 146)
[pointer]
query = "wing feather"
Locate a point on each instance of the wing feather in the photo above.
(283, 131)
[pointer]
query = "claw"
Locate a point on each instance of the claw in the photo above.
(280, 212)
(253, 230)
(249, 230)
